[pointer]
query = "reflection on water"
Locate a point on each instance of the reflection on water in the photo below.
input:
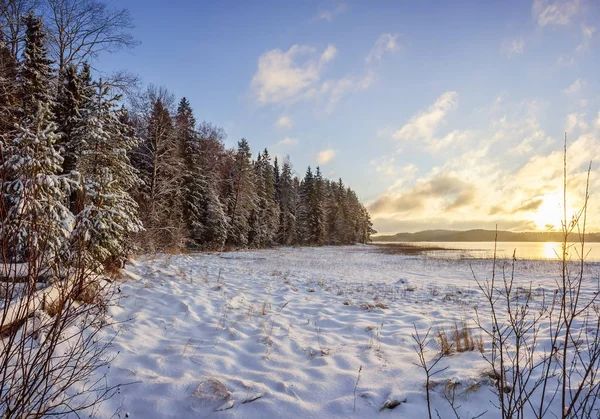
(552, 250)
(522, 250)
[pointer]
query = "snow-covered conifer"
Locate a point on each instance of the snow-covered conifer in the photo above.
(108, 214)
(37, 223)
(287, 206)
(240, 196)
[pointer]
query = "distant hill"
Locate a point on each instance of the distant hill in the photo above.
(481, 236)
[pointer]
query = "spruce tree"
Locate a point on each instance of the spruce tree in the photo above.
(240, 196)
(9, 90)
(265, 216)
(276, 179)
(212, 158)
(365, 227)
(304, 210)
(75, 93)
(318, 210)
(37, 223)
(193, 178)
(109, 214)
(204, 215)
(287, 206)
(36, 72)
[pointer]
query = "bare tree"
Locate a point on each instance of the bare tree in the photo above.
(12, 24)
(429, 367)
(122, 81)
(562, 376)
(79, 30)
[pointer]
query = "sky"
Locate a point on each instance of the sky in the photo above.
(439, 114)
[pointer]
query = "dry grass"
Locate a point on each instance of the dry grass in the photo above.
(212, 390)
(114, 269)
(451, 386)
(53, 309)
(479, 344)
(444, 342)
(263, 310)
(373, 306)
(406, 249)
(90, 293)
(459, 340)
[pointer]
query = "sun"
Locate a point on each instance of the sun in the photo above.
(550, 213)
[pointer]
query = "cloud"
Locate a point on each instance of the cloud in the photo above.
(448, 191)
(576, 121)
(334, 90)
(385, 43)
(451, 139)
(513, 47)
(328, 15)
(555, 12)
(329, 54)
(280, 77)
(404, 175)
(325, 156)
(565, 60)
(574, 88)
(386, 165)
(587, 33)
(423, 125)
(533, 140)
(287, 141)
(507, 172)
(530, 206)
(284, 122)
(296, 75)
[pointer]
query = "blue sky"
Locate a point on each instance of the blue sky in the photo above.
(440, 114)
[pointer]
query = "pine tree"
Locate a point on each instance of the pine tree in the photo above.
(226, 198)
(265, 216)
(204, 215)
(365, 226)
(9, 94)
(193, 179)
(212, 161)
(36, 72)
(304, 228)
(240, 196)
(287, 206)
(37, 223)
(318, 210)
(75, 93)
(109, 214)
(276, 179)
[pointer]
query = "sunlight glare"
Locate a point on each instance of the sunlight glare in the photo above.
(551, 250)
(550, 213)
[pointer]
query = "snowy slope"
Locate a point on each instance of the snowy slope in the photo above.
(283, 333)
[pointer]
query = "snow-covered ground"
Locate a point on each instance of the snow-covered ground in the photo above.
(284, 333)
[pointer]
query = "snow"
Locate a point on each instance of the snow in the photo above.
(284, 332)
(13, 271)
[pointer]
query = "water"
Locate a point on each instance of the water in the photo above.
(524, 250)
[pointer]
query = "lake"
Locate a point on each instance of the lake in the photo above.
(524, 250)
